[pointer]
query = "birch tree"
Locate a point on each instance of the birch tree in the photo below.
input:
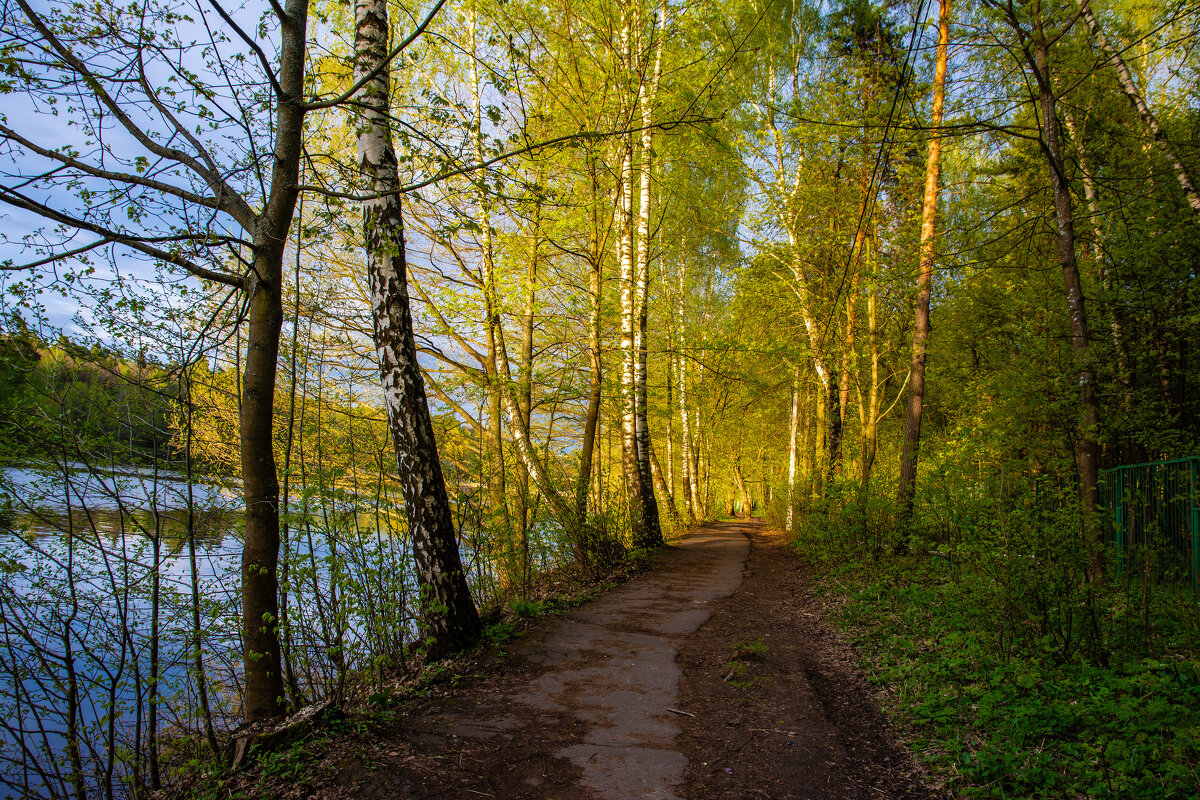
(449, 613)
(1130, 88)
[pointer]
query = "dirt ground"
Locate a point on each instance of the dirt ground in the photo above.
(710, 676)
(782, 710)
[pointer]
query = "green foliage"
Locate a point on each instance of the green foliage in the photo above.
(527, 608)
(110, 404)
(1020, 678)
(755, 648)
(291, 766)
(499, 631)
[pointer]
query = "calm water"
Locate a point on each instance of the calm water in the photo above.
(79, 552)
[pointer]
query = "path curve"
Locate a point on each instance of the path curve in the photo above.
(630, 697)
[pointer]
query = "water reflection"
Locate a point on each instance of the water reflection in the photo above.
(96, 580)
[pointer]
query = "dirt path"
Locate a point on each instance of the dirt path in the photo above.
(710, 676)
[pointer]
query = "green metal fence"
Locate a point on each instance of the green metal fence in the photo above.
(1154, 511)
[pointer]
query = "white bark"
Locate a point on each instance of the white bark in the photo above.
(793, 428)
(1130, 88)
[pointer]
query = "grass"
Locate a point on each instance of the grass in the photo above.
(740, 669)
(1029, 687)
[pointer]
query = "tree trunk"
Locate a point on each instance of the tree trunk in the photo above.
(820, 431)
(830, 417)
(803, 448)
(497, 476)
(525, 376)
(870, 419)
(448, 612)
(834, 434)
(260, 553)
(595, 351)
(665, 490)
(910, 450)
(1087, 449)
(1130, 88)
(849, 357)
(691, 491)
(685, 442)
(629, 356)
(1116, 329)
(264, 689)
(559, 508)
(651, 528)
(793, 429)
(740, 479)
(496, 483)
(670, 473)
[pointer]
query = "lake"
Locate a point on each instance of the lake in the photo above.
(80, 553)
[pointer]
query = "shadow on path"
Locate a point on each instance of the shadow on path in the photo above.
(630, 697)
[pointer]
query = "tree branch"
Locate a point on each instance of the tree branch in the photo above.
(18, 200)
(380, 67)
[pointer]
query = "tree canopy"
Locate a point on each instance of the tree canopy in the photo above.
(542, 282)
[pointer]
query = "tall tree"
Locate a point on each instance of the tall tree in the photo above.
(635, 488)
(449, 613)
(1130, 88)
(916, 382)
(647, 93)
(1034, 47)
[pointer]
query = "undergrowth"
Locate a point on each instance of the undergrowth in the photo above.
(1016, 676)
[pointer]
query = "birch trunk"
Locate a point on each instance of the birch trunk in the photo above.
(691, 491)
(665, 490)
(629, 325)
(916, 390)
(793, 429)
(448, 611)
(829, 417)
(651, 527)
(740, 479)
(1130, 88)
(685, 443)
(670, 473)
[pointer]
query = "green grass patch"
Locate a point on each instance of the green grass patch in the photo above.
(1016, 683)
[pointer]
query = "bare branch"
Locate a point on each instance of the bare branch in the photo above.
(18, 200)
(380, 67)
(120, 177)
(253, 45)
(468, 168)
(214, 180)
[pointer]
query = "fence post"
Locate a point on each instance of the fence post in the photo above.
(1195, 504)
(1119, 516)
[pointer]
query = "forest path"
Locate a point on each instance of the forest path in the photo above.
(709, 676)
